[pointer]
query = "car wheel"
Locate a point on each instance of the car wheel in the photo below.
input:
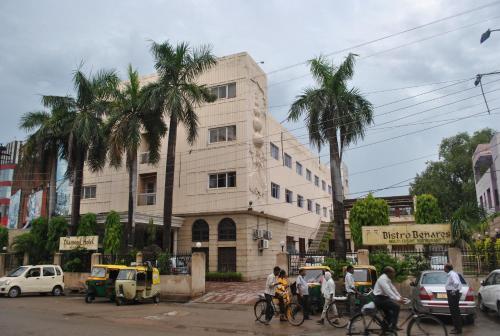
(482, 307)
(14, 292)
(498, 308)
(57, 291)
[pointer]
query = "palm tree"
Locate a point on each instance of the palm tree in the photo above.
(128, 120)
(337, 116)
(86, 138)
(176, 95)
(45, 144)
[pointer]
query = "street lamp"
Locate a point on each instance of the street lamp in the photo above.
(198, 245)
(486, 35)
(282, 244)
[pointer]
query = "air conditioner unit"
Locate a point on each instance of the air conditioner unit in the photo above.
(268, 235)
(265, 243)
(258, 234)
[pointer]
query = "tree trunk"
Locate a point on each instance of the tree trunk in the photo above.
(169, 184)
(77, 193)
(132, 200)
(52, 187)
(337, 200)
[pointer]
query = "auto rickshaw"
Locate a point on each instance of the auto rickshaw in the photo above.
(137, 283)
(365, 277)
(313, 277)
(101, 282)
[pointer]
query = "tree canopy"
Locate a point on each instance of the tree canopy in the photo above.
(427, 211)
(369, 211)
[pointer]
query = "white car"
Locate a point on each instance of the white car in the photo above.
(489, 293)
(33, 279)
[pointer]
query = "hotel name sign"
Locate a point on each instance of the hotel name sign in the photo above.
(407, 234)
(78, 242)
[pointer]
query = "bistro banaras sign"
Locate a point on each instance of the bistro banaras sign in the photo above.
(78, 242)
(407, 234)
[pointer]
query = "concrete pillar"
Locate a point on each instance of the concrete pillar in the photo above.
(138, 258)
(2, 264)
(455, 258)
(282, 260)
(26, 259)
(363, 257)
(95, 259)
(57, 258)
(174, 247)
(197, 274)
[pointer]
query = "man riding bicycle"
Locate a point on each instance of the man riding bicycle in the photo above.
(387, 297)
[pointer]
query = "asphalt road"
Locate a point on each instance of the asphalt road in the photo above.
(39, 315)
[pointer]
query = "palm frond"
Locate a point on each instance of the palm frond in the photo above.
(33, 120)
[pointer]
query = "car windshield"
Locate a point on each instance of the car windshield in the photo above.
(126, 274)
(437, 278)
(98, 272)
(17, 272)
(361, 275)
(313, 275)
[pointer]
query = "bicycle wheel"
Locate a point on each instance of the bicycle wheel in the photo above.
(294, 314)
(364, 325)
(337, 321)
(427, 325)
(259, 310)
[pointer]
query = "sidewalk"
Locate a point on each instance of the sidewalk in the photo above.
(232, 292)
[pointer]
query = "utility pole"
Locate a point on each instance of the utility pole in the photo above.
(479, 82)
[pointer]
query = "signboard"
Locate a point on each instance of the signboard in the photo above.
(407, 234)
(15, 201)
(78, 242)
(34, 206)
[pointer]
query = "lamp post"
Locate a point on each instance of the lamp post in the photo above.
(282, 244)
(198, 245)
(486, 35)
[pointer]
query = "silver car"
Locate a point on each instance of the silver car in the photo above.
(429, 295)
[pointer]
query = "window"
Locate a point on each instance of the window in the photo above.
(330, 189)
(288, 161)
(316, 181)
(324, 212)
(48, 271)
(308, 175)
(275, 151)
(89, 191)
(58, 271)
(147, 189)
(33, 272)
(222, 180)
(318, 209)
(144, 158)
(199, 231)
(226, 259)
(497, 201)
(300, 201)
(222, 134)
(275, 190)
(488, 193)
(227, 230)
(224, 91)
(298, 168)
(331, 214)
(6, 174)
(481, 201)
(290, 244)
(309, 205)
(323, 185)
(288, 196)
(5, 192)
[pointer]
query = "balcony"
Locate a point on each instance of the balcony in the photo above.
(146, 199)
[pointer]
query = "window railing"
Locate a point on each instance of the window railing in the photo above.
(146, 199)
(144, 158)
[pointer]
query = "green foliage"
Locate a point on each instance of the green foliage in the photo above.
(58, 227)
(223, 276)
(87, 225)
(369, 211)
(39, 231)
(113, 233)
(74, 261)
(427, 211)
(451, 180)
(164, 264)
(336, 266)
(4, 238)
(383, 259)
(416, 263)
(24, 243)
(151, 233)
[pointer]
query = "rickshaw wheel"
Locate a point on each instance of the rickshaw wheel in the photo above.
(119, 301)
(88, 299)
(156, 299)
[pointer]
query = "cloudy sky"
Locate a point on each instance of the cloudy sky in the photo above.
(41, 42)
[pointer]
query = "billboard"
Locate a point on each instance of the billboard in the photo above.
(15, 201)
(34, 207)
(63, 189)
(407, 234)
(78, 242)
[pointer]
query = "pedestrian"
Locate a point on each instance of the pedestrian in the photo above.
(303, 292)
(387, 297)
(350, 289)
(453, 287)
(282, 293)
(328, 294)
(270, 291)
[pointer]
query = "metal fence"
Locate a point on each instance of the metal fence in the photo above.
(13, 261)
(480, 262)
(76, 261)
(313, 258)
(117, 259)
(179, 263)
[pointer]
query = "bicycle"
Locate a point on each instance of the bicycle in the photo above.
(294, 313)
(337, 321)
(372, 322)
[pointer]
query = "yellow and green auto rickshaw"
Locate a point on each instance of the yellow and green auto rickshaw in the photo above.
(365, 277)
(137, 283)
(314, 275)
(101, 282)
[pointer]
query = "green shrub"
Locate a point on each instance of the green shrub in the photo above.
(113, 233)
(223, 276)
(58, 227)
(23, 243)
(87, 225)
(416, 264)
(164, 264)
(383, 259)
(4, 238)
(336, 266)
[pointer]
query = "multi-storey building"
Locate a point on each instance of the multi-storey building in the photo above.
(9, 158)
(486, 163)
(245, 189)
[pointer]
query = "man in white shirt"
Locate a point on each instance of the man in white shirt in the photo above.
(453, 287)
(303, 292)
(350, 289)
(387, 297)
(269, 292)
(328, 294)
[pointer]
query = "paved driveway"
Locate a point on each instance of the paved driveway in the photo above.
(232, 292)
